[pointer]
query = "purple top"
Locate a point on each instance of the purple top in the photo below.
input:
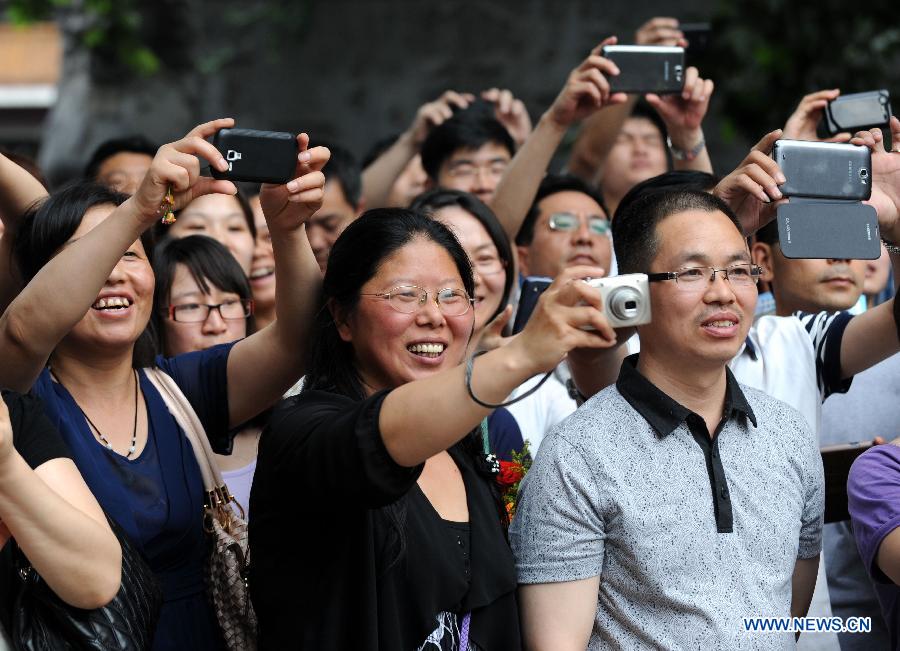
(873, 489)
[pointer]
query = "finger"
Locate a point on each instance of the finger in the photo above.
(206, 185)
(708, 87)
(588, 89)
(598, 321)
(210, 128)
(767, 142)
(452, 97)
(609, 40)
(895, 133)
(199, 147)
(690, 78)
(490, 94)
(661, 22)
(172, 174)
(879, 440)
(595, 77)
(499, 322)
(596, 62)
(602, 337)
(311, 197)
(306, 182)
(189, 163)
(841, 137)
(617, 98)
(767, 163)
(760, 176)
(505, 101)
(751, 187)
(654, 100)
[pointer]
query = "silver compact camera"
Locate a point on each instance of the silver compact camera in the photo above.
(626, 299)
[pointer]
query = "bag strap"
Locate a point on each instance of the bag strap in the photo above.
(182, 410)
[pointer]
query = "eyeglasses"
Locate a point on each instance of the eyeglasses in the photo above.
(738, 275)
(199, 312)
(409, 298)
(567, 222)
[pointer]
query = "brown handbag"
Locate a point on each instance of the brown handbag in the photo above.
(228, 565)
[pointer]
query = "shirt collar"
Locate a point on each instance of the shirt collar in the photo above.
(662, 412)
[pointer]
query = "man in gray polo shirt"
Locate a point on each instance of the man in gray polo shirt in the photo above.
(675, 503)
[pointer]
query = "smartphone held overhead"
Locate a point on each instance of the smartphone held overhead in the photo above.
(257, 156)
(646, 68)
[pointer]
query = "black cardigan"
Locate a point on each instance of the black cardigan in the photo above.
(321, 540)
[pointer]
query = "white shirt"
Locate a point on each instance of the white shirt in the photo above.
(544, 409)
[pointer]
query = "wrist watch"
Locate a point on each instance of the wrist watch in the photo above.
(686, 155)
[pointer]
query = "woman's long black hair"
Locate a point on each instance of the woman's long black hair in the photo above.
(48, 225)
(355, 258)
(434, 200)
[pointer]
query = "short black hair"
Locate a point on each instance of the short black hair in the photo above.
(768, 234)
(552, 184)
(433, 200)
(470, 128)
(642, 109)
(134, 144)
(208, 262)
(674, 180)
(48, 225)
(634, 229)
(344, 168)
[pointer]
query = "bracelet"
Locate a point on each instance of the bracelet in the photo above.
(470, 364)
(686, 154)
(890, 246)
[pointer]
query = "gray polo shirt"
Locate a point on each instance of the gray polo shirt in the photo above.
(688, 534)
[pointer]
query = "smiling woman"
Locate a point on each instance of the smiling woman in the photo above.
(78, 337)
(384, 445)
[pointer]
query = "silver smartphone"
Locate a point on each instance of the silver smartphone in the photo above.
(824, 170)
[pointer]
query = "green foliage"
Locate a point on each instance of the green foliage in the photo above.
(767, 54)
(114, 28)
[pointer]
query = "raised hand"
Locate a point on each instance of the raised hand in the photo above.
(586, 89)
(177, 166)
(510, 112)
(558, 322)
(492, 335)
(684, 113)
(752, 189)
(287, 207)
(802, 123)
(885, 178)
(437, 112)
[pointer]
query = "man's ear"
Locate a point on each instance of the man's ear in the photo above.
(522, 252)
(340, 320)
(763, 255)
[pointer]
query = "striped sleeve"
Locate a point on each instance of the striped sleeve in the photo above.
(826, 331)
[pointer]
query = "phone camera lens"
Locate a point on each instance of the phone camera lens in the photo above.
(863, 173)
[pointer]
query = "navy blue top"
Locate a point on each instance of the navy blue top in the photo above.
(504, 434)
(157, 497)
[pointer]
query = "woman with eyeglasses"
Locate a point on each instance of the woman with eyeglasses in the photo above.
(493, 270)
(203, 299)
(77, 336)
(376, 524)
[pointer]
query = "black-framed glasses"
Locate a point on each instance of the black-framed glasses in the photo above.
(567, 222)
(743, 274)
(199, 312)
(409, 298)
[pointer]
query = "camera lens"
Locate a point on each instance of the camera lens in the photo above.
(863, 173)
(623, 303)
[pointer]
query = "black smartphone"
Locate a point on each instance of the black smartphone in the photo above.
(646, 68)
(836, 230)
(532, 288)
(824, 170)
(836, 460)
(697, 35)
(852, 113)
(257, 156)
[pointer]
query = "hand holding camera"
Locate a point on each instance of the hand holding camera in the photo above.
(561, 319)
(683, 113)
(176, 167)
(801, 125)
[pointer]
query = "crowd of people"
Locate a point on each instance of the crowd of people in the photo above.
(344, 342)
